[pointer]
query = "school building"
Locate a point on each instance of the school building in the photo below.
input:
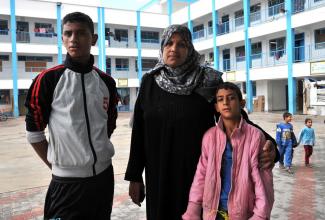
(273, 49)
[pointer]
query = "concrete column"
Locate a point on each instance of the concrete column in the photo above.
(14, 57)
(290, 42)
(249, 92)
(59, 31)
(101, 39)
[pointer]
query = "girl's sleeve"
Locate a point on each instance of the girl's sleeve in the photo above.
(194, 206)
(263, 182)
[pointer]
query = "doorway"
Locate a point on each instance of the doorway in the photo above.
(299, 55)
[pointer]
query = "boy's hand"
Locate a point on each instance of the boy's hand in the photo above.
(267, 156)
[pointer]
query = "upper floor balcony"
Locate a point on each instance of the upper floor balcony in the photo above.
(50, 38)
(276, 57)
(258, 16)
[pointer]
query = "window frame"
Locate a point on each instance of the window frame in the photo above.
(319, 43)
(49, 29)
(121, 35)
(147, 64)
(4, 28)
(148, 37)
(122, 64)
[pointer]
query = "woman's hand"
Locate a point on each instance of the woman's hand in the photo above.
(136, 192)
(267, 156)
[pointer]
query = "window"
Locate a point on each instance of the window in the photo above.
(240, 53)
(277, 47)
(198, 31)
(210, 31)
(4, 27)
(107, 33)
(43, 30)
(275, 6)
(226, 59)
(121, 35)
(35, 58)
(4, 96)
(148, 36)
(22, 32)
(298, 6)
(3, 58)
(253, 87)
(224, 26)
(211, 57)
(255, 15)
(320, 38)
(147, 64)
(35, 66)
(108, 66)
(256, 50)
(255, 12)
(239, 18)
(35, 63)
(121, 64)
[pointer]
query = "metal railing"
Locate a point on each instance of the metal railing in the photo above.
(308, 53)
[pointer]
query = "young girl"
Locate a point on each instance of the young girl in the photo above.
(228, 183)
(307, 138)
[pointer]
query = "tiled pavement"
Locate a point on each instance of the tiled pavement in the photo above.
(24, 179)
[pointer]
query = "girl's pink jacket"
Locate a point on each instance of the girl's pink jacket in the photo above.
(251, 194)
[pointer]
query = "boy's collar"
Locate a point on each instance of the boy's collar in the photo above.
(79, 67)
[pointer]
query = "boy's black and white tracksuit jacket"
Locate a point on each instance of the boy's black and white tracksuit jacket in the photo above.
(78, 103)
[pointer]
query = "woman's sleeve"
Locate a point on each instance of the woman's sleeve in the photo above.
(136, 161)
(267, 136)
(263, 182)
(194, 207)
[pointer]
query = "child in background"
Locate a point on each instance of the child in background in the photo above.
(284, 140)
(307, 138)
(228, 171)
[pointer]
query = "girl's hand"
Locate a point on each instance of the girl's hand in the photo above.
(267, 156)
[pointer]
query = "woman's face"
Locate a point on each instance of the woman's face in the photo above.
(175, 52)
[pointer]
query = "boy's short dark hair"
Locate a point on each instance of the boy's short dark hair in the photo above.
(286, 114)
(231, 86)
(79, 17)
(308, 119)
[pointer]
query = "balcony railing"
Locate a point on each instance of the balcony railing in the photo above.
(4, 32)
(122, 68)
(198, 34)
(308, 53)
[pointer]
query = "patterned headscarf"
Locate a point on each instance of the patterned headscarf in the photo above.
(189, 76)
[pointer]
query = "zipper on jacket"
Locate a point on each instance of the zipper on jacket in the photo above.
(87, 122)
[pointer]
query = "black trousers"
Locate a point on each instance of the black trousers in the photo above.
(80, 198)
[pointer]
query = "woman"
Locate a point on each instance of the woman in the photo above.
(173, 110)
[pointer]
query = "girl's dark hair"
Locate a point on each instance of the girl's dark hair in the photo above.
(79, 17)
(231, 86)
(308, 119)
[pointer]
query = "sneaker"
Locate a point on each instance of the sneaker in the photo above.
(289, 170)
(281, 166)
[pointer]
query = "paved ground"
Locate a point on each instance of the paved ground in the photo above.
(24, 178)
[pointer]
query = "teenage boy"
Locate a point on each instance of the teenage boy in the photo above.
(285, 140)
(78, 103)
